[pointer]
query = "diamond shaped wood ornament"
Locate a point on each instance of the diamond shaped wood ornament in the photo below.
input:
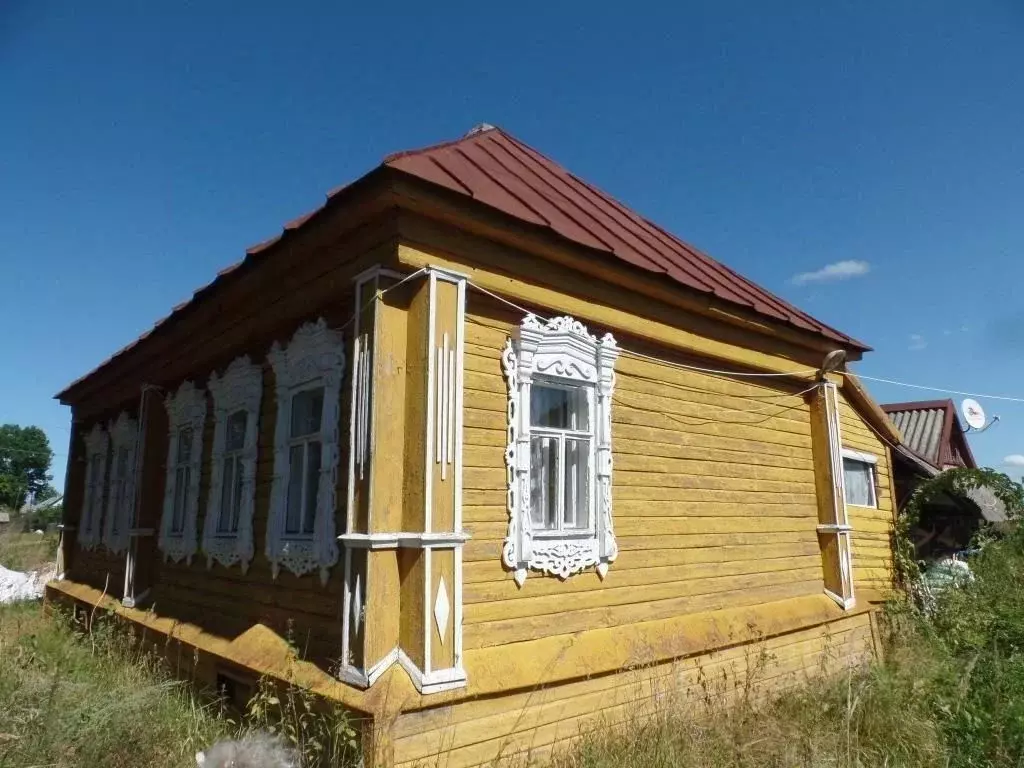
(442, 608)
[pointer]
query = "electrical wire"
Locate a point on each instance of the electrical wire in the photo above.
(632, 353)
(933, 389)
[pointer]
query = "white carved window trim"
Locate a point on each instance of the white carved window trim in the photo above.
(558, 350)
(124, 436)
(314, 357)
(186, 409)
(239, 389)
(97, 445)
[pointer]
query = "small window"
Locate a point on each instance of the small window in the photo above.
(97, 449)
(558, 458)
(859, 479)
(182, 478)
(561, 446)
(120, 488)
(230, 502)
(186, 417)
(305, 451)
(308, 372)
(231, 488)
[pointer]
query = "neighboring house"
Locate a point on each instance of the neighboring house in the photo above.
(501, 457)
(934, 441)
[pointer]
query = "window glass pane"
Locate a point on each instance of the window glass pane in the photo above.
(184, 445)
(293, 516)
(235, 438)
(560, 407)
(307, 408)
(544, 482)
(859, 481)
(577, 483)
(226, 495)
(236, 501)
(181, 481)
(312, 482)
(122, 464)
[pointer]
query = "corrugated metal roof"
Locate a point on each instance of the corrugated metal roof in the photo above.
(932, 429)
(496, 169)
(922, 430)
(502, 172)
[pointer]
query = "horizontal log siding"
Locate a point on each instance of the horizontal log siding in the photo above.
(713, 493)
(872, 528)
(224, 600)
(534, 723)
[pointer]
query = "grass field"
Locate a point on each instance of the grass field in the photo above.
(26, 551)
(949, 694)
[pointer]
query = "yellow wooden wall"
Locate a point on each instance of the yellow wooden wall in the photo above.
(532, 723)
(713, 499)
(872, 528)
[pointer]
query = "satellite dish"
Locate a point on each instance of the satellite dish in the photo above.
(973, 413)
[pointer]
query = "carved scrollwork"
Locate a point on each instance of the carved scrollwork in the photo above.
(561, 348)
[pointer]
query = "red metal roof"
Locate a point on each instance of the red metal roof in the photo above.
(498, 170)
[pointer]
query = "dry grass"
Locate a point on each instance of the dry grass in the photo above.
(26, 551)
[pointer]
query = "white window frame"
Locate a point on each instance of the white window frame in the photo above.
(239, 389)
(97, 443)
(872, 461)
(562, 352)
(186, 409)
(124, 435)
(562, 435)
(315, 357)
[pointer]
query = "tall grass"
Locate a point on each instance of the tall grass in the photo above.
(26, 551)
(949, 692)
(74, 699)
(99, 699)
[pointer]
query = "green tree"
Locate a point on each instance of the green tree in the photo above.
(25, 458)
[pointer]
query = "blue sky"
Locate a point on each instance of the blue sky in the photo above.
(141, 151)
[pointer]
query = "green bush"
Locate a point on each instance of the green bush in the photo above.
(949, 692)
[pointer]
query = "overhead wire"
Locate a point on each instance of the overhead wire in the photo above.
(933, 389)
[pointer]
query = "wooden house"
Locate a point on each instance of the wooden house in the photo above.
(934, 441)
(500, 457)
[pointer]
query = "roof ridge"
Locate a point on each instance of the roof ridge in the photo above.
(470, 136)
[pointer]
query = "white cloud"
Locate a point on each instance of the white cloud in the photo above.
(840, 270)
(1014, 460)
(917, 342)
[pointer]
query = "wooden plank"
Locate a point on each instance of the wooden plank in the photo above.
(740, 557)
(613, 594)
(504, 589)
(516, 630)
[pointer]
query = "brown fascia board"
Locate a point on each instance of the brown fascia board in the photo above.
(449, 207)
(371, 190)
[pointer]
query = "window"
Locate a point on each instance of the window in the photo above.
(305, 455)
(561, 443)
(859, 478)
(560, 380)
(227, 529)
(301, 523)
(186, 417)
(97, 446)
(182, 479)
(121, 496)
